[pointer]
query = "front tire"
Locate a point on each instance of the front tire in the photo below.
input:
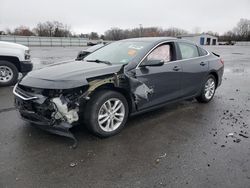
(106, 113)
(8, 73)
(208, 90)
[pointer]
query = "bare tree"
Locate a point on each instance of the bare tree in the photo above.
(114, 34)
(52, 29)
(23, 31)
(93, 36)
(117, 34)
(41, 30)
(243, 29)
(240, 33)
(174, 32)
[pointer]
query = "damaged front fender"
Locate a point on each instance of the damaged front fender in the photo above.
(56, 110)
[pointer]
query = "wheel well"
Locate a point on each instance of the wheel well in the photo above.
(14, 60)
(216, 77)
(124, 92)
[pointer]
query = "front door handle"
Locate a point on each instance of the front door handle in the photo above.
(176, 68)
(202, 63)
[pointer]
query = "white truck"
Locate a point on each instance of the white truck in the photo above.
(14, 59)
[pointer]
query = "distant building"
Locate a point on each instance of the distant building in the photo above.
(201, 39)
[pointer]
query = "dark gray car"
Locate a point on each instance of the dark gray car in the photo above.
(124, 78)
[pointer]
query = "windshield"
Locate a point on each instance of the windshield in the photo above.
(121, 52)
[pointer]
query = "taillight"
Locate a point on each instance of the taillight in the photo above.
(222, 62)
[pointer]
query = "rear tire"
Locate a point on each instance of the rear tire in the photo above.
(106, 113)
(8, 73)
(208, 90)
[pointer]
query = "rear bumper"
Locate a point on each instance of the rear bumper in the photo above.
(25, 66)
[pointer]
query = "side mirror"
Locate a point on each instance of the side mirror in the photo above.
(152, 63)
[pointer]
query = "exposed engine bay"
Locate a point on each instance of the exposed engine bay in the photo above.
(63, 110)
(53, 110)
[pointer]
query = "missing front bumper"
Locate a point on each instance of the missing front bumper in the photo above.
(58, 128)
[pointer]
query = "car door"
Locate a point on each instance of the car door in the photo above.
(194, 68)
(164, 80)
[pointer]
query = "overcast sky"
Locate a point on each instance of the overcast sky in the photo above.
(100, 15)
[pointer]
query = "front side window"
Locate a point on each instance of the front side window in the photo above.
(160, 53)
(188, 50)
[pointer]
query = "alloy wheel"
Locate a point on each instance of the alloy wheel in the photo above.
(209, 88)
(111, 115)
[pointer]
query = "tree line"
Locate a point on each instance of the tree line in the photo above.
(241, 32)
(46, 29)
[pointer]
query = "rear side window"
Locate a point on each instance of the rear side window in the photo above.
(188, 50)
(202, 51)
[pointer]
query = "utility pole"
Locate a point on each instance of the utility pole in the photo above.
(140, 27)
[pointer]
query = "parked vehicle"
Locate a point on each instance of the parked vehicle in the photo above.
(82, 54)
(93, 43)
(14, 58)
(124, 78)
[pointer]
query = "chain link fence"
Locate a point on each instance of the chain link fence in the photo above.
(46, 41)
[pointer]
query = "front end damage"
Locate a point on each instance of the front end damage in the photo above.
(58, 110)
(55, 111)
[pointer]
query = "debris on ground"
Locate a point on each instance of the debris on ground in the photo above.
(163, 156)
(230, 135)
(160, 157)
(237, 140)
(157, 161)
(235, 119)
(73, 164)
(242, 135)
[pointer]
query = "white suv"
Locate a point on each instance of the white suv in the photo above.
(14, 58)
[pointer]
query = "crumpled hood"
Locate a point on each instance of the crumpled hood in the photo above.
(67, 75)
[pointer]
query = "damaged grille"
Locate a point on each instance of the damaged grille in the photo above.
(30, 108)
(19, 92)
(51, 93)
(48, 105)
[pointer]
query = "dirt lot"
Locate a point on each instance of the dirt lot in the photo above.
(182, 145)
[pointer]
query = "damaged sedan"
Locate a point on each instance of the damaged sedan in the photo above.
(121, 79)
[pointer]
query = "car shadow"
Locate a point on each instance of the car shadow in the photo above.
(84, 136)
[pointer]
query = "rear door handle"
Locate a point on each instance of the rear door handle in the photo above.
(202, 63)
(176, 68)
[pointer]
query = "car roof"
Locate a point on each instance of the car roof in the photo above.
(156, 40)
(150, 39)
